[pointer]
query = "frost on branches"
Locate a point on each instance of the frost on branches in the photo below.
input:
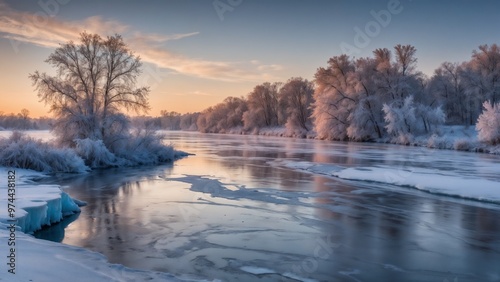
(410, 119)
(488, 124)
(95, 82)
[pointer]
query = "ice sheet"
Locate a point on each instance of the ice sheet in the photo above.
(35, 205)
(444, 181)
(40, 260)
(262, 271)
(428, 180)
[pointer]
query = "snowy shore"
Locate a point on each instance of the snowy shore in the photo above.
(458, 138)
(34, 206)
(30, 259)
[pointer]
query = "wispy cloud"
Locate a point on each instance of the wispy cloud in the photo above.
(200, 93)
(49, 32)
(270, 67)
(160, 38)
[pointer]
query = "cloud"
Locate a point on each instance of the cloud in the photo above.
(270, 68)
(160, 38)
(42, 30)
(200, 93)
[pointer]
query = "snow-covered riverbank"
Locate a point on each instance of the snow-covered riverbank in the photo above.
(30, 259)
(457, 137)
(33, 206)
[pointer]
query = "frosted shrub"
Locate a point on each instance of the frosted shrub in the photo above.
(403, 139)
(437, 142)
(412, 119)
(22, 151)
(95, 153)
(145, 146)
(253, 120)
(140, 147)
(365, 125)
(488, 124)
(294, 129)
(431, 118)
(462, 144)
(400, 120)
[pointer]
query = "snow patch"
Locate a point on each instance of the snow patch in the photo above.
(38, 205)
(257, 270)
(435, 181)
(35, 205)
(262, 271)
(429, 181)
(298, 278)
(48, 261)
(325, 169)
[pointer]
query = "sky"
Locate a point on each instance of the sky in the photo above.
(196, 53)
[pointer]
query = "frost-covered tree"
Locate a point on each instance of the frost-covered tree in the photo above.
(223, 116)
(405, 59)
(188, 121)
(235, 107)
(481, 79)
(488, 124)
(25, 117)
(447, 86)
(20, 121)
(486, 63)
(386, 77)
(417, 111)
(429, 117)
(400, 120)
(170, 120)
(333, 98)
(411, 118)
(367, 121)
(296, 97)
(349, 97)
(95, 81)
(263, 106)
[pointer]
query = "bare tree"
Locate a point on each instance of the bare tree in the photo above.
(170, 120)
(25, 113)
(405, 57)
(447, 87)
(95, 81)
(486, 64)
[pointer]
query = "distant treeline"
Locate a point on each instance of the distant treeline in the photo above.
(383, 96)
(168, 121)
(22, 121)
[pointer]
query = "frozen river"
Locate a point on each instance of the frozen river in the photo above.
(249, 208)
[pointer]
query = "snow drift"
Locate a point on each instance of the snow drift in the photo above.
(139, 147)
(36, 205)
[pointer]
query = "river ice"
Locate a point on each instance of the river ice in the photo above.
(434, 180)
(253, 208)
